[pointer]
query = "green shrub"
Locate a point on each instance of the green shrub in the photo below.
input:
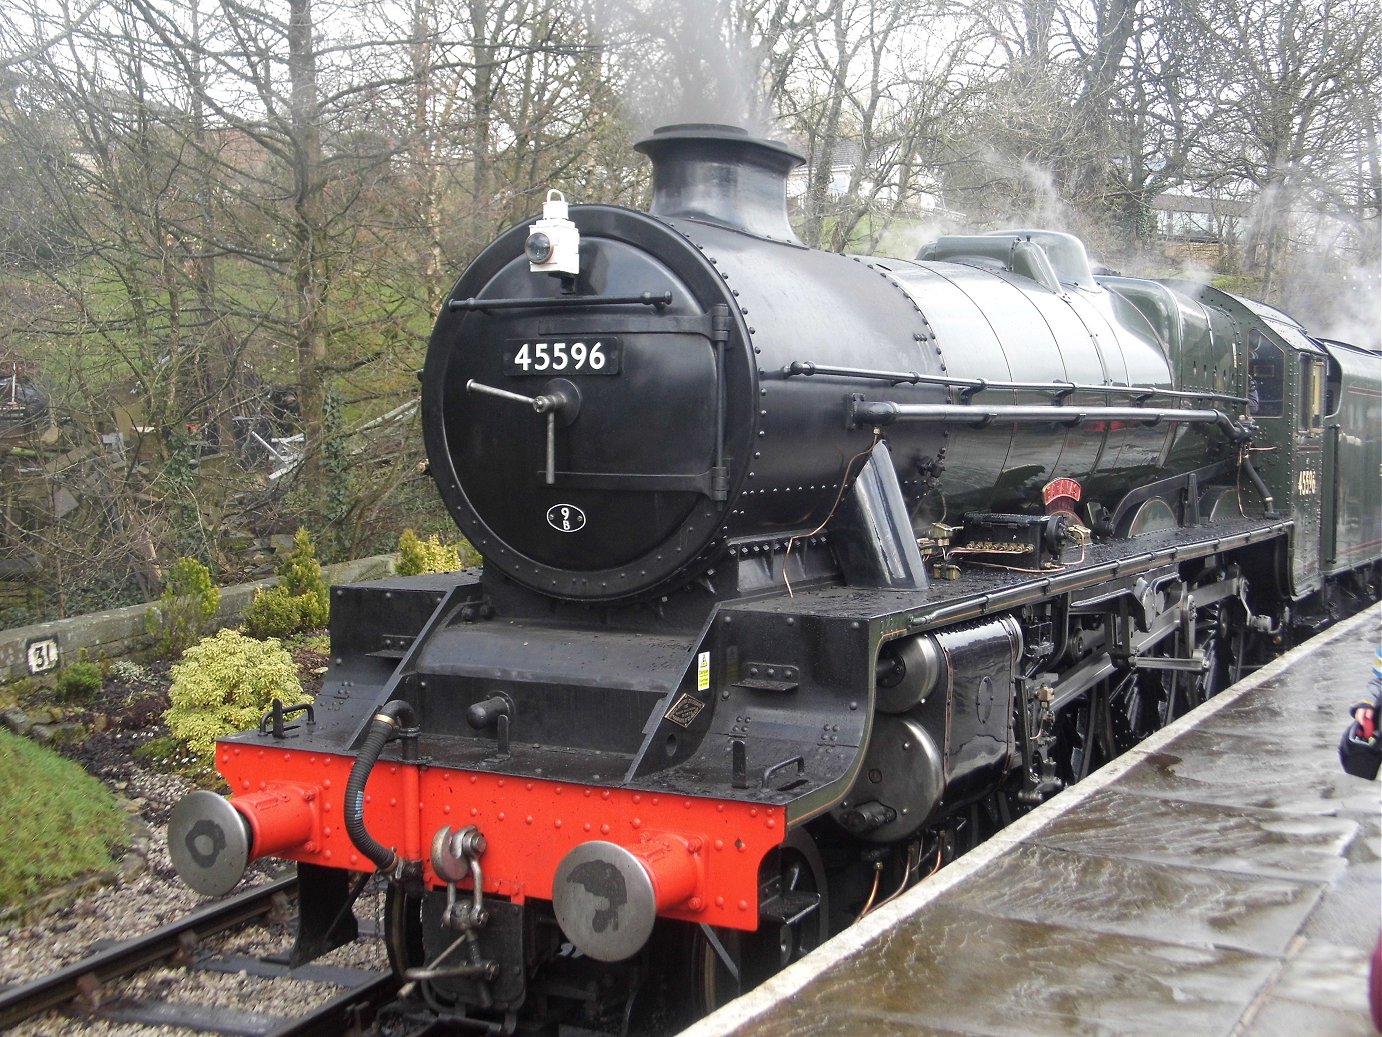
(273, 612)
(24, 690)
(188, 603)
(224, 684)
(470, 558)
(78, 682)
(301, 575)
(300, 601)
(416, 556)
(16, 616)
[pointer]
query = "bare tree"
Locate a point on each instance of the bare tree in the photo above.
(1301, 86)
(1094, 104)
(248, 211)
(231, 219)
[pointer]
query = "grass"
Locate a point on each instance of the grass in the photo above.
(57, 822)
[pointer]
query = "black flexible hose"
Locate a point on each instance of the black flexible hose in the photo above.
(392, 721)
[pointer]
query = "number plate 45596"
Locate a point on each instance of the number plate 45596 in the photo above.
(562, 356)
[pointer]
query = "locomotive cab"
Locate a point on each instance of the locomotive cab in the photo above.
(1284, 380)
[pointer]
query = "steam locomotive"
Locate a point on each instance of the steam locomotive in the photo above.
(803, 573)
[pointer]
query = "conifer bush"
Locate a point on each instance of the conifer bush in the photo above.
(79, 681)
(301, 574)
(272, 612)
(224, 684)
(189, 603)
(299, 601)
(417, 556)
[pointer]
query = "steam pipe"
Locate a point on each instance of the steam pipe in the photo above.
(885, 413)
(395, 719)
(1268, 501)
(974, 386)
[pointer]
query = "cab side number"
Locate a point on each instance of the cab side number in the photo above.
(570, 356)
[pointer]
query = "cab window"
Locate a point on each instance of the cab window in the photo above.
(1266, 376)
(1311, 392)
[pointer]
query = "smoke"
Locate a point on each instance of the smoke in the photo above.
(1340, 302)
(1044, 206)
(683, 61)
(1004, 194)
(1020, 192)
(1299, 250)
(1329, 277)
(905, 240)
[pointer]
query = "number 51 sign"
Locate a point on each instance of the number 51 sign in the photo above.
(43, 655)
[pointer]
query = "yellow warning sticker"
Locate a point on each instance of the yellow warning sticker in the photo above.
(703, 672)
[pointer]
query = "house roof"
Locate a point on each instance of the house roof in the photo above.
(1207, 206)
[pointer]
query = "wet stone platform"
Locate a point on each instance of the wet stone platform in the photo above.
(1223, 878)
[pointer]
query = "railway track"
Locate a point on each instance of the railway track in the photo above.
(89, 986)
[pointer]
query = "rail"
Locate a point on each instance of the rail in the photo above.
(175, 940)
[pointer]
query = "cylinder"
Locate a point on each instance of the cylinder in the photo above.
(909, 670)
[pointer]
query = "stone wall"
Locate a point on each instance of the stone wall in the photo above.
(120, 632)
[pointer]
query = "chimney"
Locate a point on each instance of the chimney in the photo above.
(719, 174)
